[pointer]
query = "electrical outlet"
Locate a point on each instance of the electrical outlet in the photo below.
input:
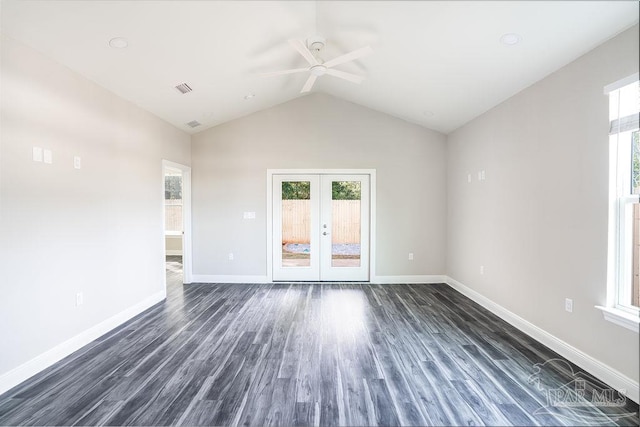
(230, 256)
(37, 154)
(568, 305)
(79, 299)
(482, 269)
(410, 256)
(468, 177)
(47, 156)
(77, 162)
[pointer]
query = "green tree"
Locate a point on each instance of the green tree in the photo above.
(172, 187)
(345, 190)
(296, 190)
(340, 190)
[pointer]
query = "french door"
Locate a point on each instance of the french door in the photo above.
(321, 227)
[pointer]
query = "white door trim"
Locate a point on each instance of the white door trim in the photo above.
(187, 260)
(372, 209)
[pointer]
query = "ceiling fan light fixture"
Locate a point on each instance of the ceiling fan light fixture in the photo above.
(317, 66)
(316, 43)
(318, 70)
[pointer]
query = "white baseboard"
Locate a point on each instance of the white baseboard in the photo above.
(170, 252)
(10, 379)
(229, 278)
(409, 279)
(595, 367)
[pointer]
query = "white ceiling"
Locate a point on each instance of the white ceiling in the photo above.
(435, 63)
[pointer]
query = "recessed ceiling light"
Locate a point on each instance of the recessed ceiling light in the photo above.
(250, 96)
(510, 39)
(118, 43)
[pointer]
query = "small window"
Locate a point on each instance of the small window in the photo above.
(624, 212)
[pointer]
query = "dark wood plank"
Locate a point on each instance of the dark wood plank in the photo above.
(384, 409)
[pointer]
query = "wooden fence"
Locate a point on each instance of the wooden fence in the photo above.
(173, 215)
(297, 213)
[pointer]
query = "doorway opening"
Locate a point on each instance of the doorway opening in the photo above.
(320, 225)
(176, 213)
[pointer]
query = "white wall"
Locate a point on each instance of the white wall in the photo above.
(173, 245)
(538, 223)
(97, 230)
(317, 131)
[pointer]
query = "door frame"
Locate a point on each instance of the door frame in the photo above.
(187, 263)
(372, 209)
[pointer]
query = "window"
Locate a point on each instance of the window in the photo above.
(173, 202)
(624, 212)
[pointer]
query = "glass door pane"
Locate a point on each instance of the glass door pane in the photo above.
(173, 201)
(296, 224)
(635, 276)
(345, 223)
(296, 211)
(344, 233)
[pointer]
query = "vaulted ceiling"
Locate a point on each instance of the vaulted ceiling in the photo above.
(435, 63)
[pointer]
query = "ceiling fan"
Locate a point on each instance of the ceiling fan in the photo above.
(318, 67)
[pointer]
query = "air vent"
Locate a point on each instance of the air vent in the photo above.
(194, 123)
(184, 88)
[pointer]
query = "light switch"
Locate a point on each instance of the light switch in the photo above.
(47, 156)
(77, 162)
(37, 154)
(249, 215)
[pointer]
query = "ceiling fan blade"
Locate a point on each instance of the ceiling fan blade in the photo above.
(347, 76)
(310, 81)
(304, 51)
(358, 53)
(279, 73)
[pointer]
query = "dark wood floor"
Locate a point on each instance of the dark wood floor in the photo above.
(312, 354)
